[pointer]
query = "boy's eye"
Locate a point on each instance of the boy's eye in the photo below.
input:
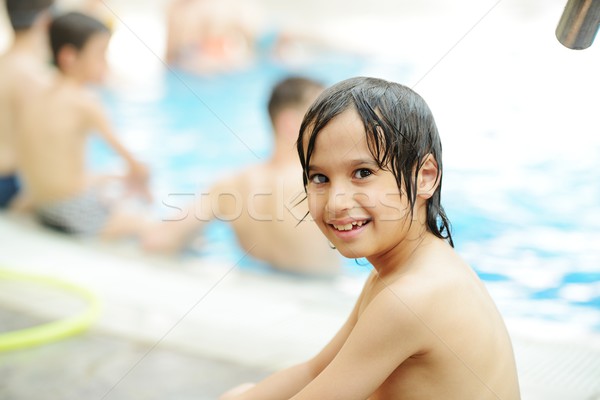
(362, 173)
(318, 178)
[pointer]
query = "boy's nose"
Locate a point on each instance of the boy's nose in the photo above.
(340, 200)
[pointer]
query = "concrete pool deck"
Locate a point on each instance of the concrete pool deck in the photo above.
(191, 328)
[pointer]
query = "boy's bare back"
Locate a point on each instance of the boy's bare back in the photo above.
(52, 144)
(22, 76)
(262, 206)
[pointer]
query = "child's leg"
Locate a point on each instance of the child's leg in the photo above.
(169, 237)
(126, 217)
(121, 224)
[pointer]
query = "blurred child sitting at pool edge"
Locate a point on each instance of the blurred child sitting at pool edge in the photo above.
(261, 202)
(424, 326)
(23, 72)
(52, 143)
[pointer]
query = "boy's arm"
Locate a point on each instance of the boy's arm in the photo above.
(372, 351)
(138, 173)
(288, 382)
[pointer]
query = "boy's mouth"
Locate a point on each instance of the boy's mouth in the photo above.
(350, 226)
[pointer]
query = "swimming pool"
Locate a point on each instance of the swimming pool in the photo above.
(535, 245)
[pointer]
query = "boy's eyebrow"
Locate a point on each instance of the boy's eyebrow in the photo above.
(363, 161)
(352, 163)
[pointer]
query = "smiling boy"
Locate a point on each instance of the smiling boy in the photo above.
(424, 326)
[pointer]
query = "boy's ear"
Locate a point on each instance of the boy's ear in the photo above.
(66, 57)
(427, 179)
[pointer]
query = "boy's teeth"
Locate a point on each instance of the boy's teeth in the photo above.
(349, 226)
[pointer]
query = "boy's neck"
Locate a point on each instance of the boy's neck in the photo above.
(398, 259)
(71, 80)
(285, 153)
(32, 42)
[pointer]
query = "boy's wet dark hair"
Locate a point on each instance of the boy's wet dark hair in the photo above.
(295, 91)
(400, 133)
(74, 29)
(23, 13)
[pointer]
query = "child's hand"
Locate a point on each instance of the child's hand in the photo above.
(138, 178)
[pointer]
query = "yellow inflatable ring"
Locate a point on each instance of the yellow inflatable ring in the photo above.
(54, 330)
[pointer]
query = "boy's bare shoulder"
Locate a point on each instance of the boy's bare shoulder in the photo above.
(87, 99)
(431, 281)
(23, 71)
(230, 183)
(247, 179)
(87, 104)
(12, 72)
(400, 293)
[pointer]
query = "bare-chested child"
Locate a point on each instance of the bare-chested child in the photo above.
(23, 72)
(260, 202)
(424, 326)
(52, 143)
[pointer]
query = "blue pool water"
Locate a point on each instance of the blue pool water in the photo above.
(530, 229)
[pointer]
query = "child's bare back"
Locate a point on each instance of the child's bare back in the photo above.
(23, 72)
(21, 77)
(53, 142)
(268, 219)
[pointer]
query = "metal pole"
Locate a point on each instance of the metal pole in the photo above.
(579, 24)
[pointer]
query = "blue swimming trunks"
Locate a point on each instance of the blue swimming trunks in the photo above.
(9, 187)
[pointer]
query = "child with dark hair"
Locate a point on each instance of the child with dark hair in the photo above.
(23, 14)
(74, 29)
(424, 326)
(23, 71)
(52, 143)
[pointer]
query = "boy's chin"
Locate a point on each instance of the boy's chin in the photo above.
(349, 252)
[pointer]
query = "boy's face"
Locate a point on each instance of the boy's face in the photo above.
(356, 204)
(91, 59)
